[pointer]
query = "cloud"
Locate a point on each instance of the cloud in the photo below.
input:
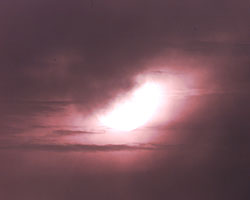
(86, 54)
(64, 132)
(84, 147)
(77, 56)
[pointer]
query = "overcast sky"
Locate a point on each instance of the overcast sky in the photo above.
(62, 62)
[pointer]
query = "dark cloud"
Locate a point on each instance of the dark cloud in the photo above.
(198, 171)
(64, 132)
(18, 116)
(64, 50)
(58, 54)
(83, 147)
(79, 55)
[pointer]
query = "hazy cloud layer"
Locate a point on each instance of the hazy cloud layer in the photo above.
(84, 53)
(84, 147)
(64, 132)
(62, 58)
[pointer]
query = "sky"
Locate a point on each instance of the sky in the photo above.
(63, 63)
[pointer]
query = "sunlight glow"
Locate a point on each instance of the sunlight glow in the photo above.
(135, 111)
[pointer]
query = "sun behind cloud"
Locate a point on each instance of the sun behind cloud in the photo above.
(136, 110)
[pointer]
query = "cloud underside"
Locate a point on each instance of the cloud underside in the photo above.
(80, 56)
(87, 147)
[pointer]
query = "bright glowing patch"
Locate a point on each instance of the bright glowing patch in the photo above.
(136, 110)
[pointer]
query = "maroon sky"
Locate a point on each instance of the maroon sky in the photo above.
(62, 60)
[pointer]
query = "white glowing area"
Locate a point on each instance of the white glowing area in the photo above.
(136, 110)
